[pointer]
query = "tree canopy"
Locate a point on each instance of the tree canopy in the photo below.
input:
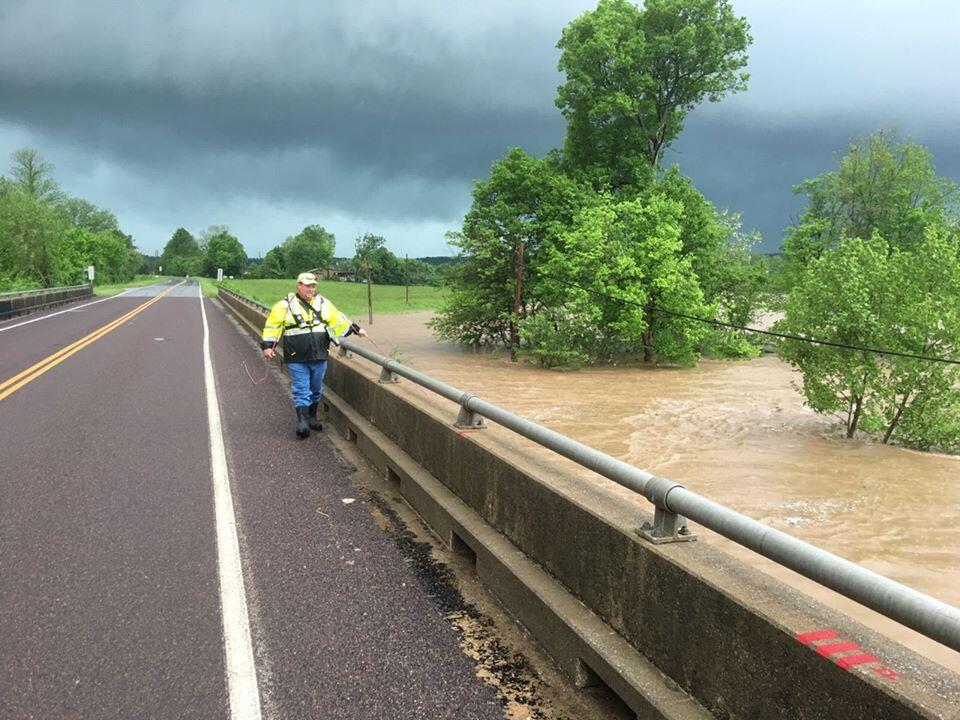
(865, 293)
(633, 75)
(224, 251)
(182, 254)
(881, 185)
(48, 239)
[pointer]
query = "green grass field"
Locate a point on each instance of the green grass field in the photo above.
(350, 298)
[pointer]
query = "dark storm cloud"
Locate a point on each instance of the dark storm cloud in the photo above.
(347, 148)
(376, 113)
(750, 166)
(383, 112)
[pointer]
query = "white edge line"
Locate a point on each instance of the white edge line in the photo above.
(61, 312)
(238, 649)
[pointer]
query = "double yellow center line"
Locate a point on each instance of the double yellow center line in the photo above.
(13, 384)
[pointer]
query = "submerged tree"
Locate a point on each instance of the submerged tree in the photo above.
(864, 293)
(613, 284)
(528, 201)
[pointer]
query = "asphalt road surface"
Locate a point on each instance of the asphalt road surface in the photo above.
(119, 595)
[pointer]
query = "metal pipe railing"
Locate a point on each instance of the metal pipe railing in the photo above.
(928, 616)
(39, 291)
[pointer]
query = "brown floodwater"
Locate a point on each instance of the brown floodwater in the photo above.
(737, 432)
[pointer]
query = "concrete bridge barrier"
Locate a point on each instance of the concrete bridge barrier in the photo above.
(677, 630)
(18, 303)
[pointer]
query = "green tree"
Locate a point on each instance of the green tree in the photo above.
(612, 282)
(418, 272)
(224, 251)
(720, 256)
(274, 264)
(525, 200)
(32, 176)
(867, 294)
(84, 214)
(881, 185)
(311, 248)
(385, 267)
(109, 252)
(633, 75)
(181, 255)
(31, 235)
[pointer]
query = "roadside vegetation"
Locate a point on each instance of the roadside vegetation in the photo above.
(47, 238)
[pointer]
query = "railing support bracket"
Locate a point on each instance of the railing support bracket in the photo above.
(667, 526)
(467, 418)
(388, 376)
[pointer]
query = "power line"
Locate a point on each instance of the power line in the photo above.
(758, 331)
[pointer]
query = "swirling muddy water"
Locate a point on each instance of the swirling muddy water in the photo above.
(736, 432)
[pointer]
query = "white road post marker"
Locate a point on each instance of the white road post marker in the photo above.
(238, 649)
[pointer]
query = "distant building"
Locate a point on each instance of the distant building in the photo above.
(333, 274)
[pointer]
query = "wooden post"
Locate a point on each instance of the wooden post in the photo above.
(369, 292)
(517, 282)
(406, 275)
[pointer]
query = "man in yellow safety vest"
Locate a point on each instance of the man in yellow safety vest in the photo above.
(306, 322)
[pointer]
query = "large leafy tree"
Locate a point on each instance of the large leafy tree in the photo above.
(311, 248)
(613, 283)
(881, 185)
(33, 176)
(114, 258)
(274, 264)
(525, 200)
(84, 214)
(865, 293)
(385, 267)
(224, 251)
(31, 236)
(182, 254)
(47, 239)
(633, 75)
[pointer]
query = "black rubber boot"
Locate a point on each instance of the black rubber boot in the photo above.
(303, 427)
(312, 416)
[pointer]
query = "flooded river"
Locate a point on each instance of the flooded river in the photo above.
(737, 433)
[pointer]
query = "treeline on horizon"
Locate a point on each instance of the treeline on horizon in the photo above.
(311, 248)
(48, 239)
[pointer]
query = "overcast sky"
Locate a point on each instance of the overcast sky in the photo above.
(378, 116)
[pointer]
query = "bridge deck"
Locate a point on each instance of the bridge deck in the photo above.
(109, 596)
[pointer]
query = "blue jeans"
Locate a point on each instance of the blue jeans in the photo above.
(306, 382)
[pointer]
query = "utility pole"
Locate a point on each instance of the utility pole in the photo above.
(517, 282)
(366, 264)
(406, 275)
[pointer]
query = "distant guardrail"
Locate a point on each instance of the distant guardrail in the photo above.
(24, 301)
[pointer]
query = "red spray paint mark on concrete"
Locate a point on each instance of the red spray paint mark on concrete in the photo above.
(855, 655)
